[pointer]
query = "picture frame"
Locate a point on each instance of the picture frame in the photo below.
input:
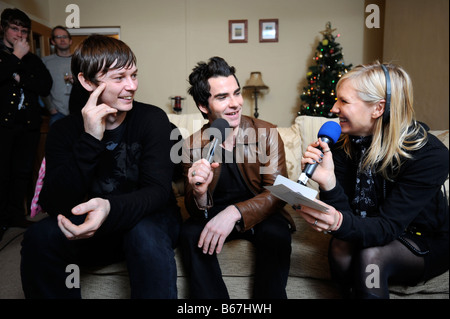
(237, 31)
(268, 30)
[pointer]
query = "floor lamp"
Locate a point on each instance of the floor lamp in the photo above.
(256, 84)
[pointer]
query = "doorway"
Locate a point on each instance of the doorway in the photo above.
(79, 34)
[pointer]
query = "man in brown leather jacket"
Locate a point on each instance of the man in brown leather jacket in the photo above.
(226, 199)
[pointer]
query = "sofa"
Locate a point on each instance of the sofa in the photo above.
(309, 276)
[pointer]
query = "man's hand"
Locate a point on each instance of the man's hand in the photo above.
(217, 230)
(200, 176)
(21, 47)
(94, 116)
(97, 209)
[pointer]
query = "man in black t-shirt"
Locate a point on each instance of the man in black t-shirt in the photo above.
(107, 186)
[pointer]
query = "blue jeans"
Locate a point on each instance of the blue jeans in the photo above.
(55, 117)
(148, 249)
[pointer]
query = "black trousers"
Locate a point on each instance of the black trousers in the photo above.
(18, 147)
(148, 249)
(272, 241)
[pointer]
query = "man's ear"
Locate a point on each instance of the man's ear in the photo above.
(379, 109)
(203, 109)
(88, 85)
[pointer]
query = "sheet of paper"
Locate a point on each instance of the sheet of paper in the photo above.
(295, 194)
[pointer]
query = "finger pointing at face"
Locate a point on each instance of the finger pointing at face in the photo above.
(94, 114)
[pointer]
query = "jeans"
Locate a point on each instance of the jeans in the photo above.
(55, 117)
(272, 241)
(148, 249)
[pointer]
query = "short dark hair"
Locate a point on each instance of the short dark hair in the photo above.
(14, 16)
(98, 54)
(198, 79)
(61, 28)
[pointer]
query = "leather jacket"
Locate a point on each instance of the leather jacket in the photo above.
(260, 159)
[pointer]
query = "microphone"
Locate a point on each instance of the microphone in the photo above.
(217, 135)
(329, 133)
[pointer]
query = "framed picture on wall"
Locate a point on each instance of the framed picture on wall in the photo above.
(237, 31)
(268, 30)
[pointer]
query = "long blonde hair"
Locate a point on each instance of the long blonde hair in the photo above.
(400, 134)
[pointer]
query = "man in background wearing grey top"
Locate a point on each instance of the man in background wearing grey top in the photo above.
(59, 66)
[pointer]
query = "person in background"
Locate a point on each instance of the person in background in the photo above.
(23, 78)
(59, 66)
(382, 183)
(227, 199)
(107, 185)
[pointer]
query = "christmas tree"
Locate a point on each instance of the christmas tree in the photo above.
(319, 96)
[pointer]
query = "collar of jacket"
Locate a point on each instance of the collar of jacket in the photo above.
(3, 47)
(247, 133)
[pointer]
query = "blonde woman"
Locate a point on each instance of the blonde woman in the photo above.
(382, 182)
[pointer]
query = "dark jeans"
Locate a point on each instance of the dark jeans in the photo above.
(148, 249)
(272, 240)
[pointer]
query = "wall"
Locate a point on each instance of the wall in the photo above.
(417, 37)
(37, 10)
(170, 36)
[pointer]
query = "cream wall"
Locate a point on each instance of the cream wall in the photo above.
(170, 36)
(417, 37)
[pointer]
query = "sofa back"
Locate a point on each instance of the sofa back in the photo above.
(296, 138)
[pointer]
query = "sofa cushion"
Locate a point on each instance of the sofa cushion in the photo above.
(292, 148)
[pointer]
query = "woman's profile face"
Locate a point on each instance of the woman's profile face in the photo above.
(356, 117)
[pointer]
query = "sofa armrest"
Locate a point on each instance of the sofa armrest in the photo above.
(296, 139)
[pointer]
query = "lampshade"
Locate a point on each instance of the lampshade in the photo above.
(256, 82)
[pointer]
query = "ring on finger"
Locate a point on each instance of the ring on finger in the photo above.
(193, 173)
(315, 222)
(327, 150)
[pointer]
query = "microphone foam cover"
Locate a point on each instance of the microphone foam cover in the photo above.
(330, 129)
(217, 129)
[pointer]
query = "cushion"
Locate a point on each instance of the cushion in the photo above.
(292, 147)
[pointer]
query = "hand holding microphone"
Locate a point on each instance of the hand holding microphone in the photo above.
(329, 133)
(200, 171)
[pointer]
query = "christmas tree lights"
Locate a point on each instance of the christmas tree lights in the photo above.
(319, 95)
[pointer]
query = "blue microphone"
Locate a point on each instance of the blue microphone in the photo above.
(329, 133)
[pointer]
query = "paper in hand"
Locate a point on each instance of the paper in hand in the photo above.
(294, 193)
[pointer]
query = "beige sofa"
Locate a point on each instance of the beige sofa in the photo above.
(309, 276)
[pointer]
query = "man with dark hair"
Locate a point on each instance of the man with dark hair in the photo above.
(116, 155)
(23, 78)
(227, 199)
(59, 66)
